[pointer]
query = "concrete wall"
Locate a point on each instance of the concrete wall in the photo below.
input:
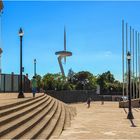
(11, 82)
(134, 103)
(78, 96)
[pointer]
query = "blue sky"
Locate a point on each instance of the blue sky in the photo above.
(93, 35)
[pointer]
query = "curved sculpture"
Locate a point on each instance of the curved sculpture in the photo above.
(63, 54)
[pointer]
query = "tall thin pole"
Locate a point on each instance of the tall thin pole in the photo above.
(139, 62)
(0, 73)
(133, 67)
(130, 115)
(136, 64)
(130, 63)
(123, 54)
(20, 95)
(65, 43)
(126, 61)
(20, 63)
(64, 39)
(1, 48)
(34, 67)
(0, 69)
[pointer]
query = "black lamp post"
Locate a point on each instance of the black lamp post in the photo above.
(34, 67)
(130, 115)
(20, 95)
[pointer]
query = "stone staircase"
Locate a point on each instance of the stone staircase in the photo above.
(42, 117)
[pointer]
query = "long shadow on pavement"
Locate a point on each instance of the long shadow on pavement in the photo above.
(125, 110)
(135, 109)
(131, 121)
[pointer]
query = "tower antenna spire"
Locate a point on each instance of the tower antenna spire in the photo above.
(63, 54)
(65, 43)
(64, 38)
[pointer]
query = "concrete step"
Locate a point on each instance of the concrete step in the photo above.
(25, 123)
(67, 118)
(71, 110)
(74, 110)
(15, 115)
(60, 124)
(35, 132)
(46, 132)
(19, 107)
(42, 117)
(19, 102)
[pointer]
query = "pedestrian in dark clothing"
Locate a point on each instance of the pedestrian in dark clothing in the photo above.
(88, 102)
(102, 100)
(139, 103)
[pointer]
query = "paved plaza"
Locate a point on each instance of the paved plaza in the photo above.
(103, 122)
(106, 121)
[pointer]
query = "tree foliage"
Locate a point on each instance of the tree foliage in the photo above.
(82, 80)
(39, 82)
(108, 83)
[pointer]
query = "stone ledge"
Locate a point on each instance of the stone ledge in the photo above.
(134, 103)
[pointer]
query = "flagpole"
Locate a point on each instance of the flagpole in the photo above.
(123, 54)
(136, 64)
(133, 67)
(126, 63)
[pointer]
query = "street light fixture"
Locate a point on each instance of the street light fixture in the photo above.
(130, 115)
(20, 95)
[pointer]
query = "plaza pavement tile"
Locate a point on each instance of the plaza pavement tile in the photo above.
(100, 122)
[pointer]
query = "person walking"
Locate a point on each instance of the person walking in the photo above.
(88, 102)
(102, 100)
(34, 85)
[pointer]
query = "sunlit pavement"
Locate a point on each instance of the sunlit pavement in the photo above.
(106, 121)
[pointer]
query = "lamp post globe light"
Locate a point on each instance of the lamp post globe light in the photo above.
(130, 115)
(21, 94)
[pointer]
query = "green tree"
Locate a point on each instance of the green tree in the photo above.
(54, 81)
(49, 82)
(108, 83)
(84, 80)
(39, 82)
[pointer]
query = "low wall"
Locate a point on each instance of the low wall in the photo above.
(78, 96)
(134, 103)
(11, 83)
